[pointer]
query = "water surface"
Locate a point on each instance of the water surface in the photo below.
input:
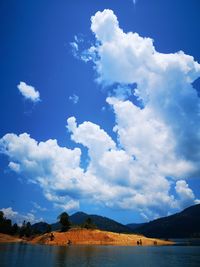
(22, 255)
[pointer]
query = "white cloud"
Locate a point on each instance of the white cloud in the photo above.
(18, 218)
(162, 136)
(71, 205)
(113, 177)
(148, 139)
(75, 49)
(91, 136)
(29, 92)
(74, 98)
(14, 166)
(52, 167)
(185, 194)
(9, 213)
(38, 207)
(118, 179)
(167, 127)
(77, 46)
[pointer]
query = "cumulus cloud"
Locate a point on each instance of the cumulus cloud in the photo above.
(54, 168)
(164, 82)
(18, 218)
(91, 136)
(29, 92)
(117, 179)
(163, 133)
(74, 99)
(168, 124)
(185, 194)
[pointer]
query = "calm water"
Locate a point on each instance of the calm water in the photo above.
(20, 255)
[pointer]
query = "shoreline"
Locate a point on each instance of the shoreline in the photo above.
(97, 237)
(87, 237)
(4, 238)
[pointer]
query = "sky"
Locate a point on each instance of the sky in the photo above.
(99, 108)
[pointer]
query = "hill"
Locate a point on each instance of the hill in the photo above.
(95, 237)
(40, 227)
(180, 225)
(102, 223)
(133, 226)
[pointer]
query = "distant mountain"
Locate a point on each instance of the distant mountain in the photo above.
(133, 226)
(102, 223)
(40, 227)
(79, 217)
(55, 226)
(180, 225)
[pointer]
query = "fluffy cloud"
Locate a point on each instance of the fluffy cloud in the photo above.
(129, 58)
(168, 125)
(91, 136)
(54, 168)
(185, 194)
(18, 218)
(149, 140)
(113, 177)
(164, 135)
(167, 128)
(118, 178)
(29, 92)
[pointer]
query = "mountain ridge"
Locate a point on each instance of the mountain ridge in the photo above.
(102, 223)
(183, 224)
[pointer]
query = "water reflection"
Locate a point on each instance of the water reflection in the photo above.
(76, 256)
(61, 256)
(21, 255)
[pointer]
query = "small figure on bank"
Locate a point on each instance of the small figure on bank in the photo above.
(69, 242)
(52, 237)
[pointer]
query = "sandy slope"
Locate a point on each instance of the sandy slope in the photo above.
(8, 238)
(96, 237)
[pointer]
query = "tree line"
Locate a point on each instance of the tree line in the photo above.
(28, 230)
(66, 224)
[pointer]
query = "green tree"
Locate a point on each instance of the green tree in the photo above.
(1, 222)
(49, 228)
(5, 224)
(15, 229)
(22, 229)
(88, 224)
(28, 229)
(1, 216)
(64, 221)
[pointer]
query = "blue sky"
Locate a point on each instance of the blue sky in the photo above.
(122, 109)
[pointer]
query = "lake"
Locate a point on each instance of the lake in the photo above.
(23, 255)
